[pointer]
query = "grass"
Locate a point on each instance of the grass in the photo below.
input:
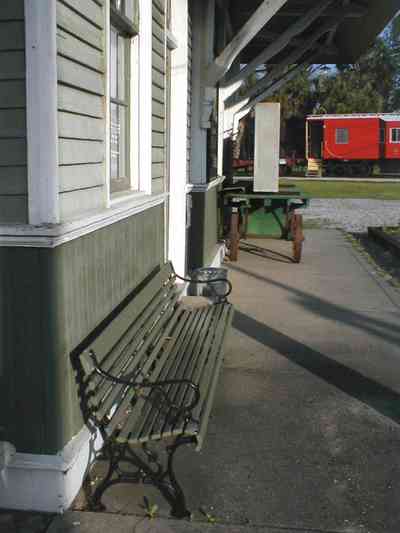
(349, 189)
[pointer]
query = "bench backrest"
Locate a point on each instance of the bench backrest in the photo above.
(130, 345)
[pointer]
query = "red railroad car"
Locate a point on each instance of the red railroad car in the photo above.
(351, 145)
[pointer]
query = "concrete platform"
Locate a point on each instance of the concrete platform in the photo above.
(305, 432)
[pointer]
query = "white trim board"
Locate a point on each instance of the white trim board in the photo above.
(204, 187)
(51, 236)
(48, 483)
(41, 111)
(178, 164)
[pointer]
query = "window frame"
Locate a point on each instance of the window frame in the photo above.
(392, 130)
(117, 21)
(341, 130)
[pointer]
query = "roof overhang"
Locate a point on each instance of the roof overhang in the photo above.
(365, 20)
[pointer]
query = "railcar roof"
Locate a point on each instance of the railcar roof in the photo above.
(387, 117)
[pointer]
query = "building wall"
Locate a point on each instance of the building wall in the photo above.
(52, 299)
(158, 96)
(81, 110)
(13, 151)
(203, 242)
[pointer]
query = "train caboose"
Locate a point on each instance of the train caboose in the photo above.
(350, 145)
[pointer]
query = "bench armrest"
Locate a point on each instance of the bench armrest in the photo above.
(144, 384)
(209, 281)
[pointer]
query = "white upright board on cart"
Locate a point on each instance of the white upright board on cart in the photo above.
(266, 147)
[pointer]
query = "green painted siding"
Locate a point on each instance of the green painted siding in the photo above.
(204, 229)
(13, 150)
(52, 299)
(158, 97)
(81, 113)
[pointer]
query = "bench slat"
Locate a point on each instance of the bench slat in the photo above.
(112, 360)
(185, 359)
(127, 362)
(137, 358)
(208, 399)
(199, 370)
(167, 371)
(132, 426)
(108, 338)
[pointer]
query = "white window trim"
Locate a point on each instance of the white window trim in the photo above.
(140, 133)
(41, 111)
(391, 136)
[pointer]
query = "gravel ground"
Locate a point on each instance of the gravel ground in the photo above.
(352, 215)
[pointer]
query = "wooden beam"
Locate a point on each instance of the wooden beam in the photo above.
(333, 31)
(279, 69)
(276, 85)
(353, 13)
(281, 42)
(256, 22)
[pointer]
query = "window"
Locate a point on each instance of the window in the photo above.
(342, 135)
(395, 135)
(123, 27)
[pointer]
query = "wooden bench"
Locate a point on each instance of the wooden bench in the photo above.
(150, 377)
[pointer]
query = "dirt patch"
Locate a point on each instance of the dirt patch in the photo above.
(382, 257)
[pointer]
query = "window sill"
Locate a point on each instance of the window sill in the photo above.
(51, 236)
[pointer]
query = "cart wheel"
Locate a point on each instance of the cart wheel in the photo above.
(298, 236)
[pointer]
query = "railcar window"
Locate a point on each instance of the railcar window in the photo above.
(395, 135)
(342, 135)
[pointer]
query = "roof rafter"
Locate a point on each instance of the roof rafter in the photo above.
(281, 42)
(279, 69)
(276, 85)
(266, 10)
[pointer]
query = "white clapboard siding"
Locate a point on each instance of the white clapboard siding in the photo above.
(13, 151)
(88, 9)
(74, 203)
(12, 94)
(77, 152)
(13, 180)
(12, 65)
(12, 34)
(158, 96)
(73, 48)
(14, 209)
(81, 106)
(13, 123)
(78, 26)
(12, 10)
(75, 101)
(86, 176)
(71, 126)
(72, 73)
